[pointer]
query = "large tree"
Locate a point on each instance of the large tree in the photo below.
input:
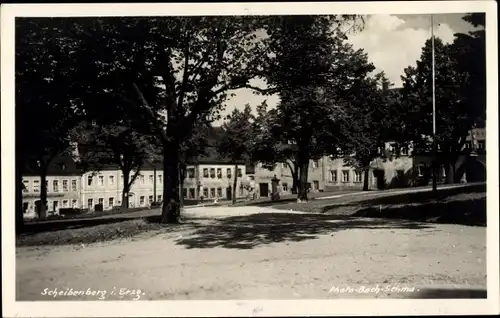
(274, 143)
(314, 70)
(459, 93)
(374, 119)
(236, 142)
(45, 111)
(165, 73)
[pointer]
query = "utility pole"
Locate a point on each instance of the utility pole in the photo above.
(434, 141)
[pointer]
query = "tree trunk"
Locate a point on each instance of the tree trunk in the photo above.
(171, 205)
(42, 212)
(450, 173)
(365, 179)
(235, 181)
(126, 190)
(304, 169)
(295, 180)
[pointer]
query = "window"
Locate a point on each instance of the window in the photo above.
(65, 186)
(212, 173)
(212, 192)
(190, 173)
(219, 173)
(73, 203)
(54, 205)
(205, 172)
(159, 178)
(111, 180)
(151, 178)
(36, 186)
(90, 203)
(239, 173)
(357, 176)
(191, 193)
(284, 186)
(229, 173)
(90, 179)
(184, 193)
(315, 185)
(480, 144)
(141, 200)
(111, 202)
(159, 198)
(55, 186)
(404, 151)
(26, 185)
(219, 192)
(65, 203)
(101, 201)
(345, 176)
(205, 192)
(141, 178)
(73, 185)
(150, 199)
(101, 180)
(333, 176)
(315, 164)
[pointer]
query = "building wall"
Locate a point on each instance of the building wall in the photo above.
(62, 192)
(316, 176)
(107, 186)
(214, 181)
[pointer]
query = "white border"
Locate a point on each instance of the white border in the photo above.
(242, 308)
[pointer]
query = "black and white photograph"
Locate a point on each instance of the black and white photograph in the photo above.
(275, 159)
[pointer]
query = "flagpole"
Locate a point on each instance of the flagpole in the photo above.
(434, 142)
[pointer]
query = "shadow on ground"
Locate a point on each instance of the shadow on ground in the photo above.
(464, 212)
(406, 198)
(246, 232)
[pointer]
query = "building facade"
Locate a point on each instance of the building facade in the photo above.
(63, 188)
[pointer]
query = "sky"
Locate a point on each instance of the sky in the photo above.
(393, 42)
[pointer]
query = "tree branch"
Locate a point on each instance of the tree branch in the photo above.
(152, 115)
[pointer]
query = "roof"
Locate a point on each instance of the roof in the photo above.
(62, 165)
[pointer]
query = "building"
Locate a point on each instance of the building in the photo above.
(105, 186)
(213, 179)
(63, 187)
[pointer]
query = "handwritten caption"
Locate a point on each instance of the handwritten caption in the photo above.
(134, 294)
(372, 290)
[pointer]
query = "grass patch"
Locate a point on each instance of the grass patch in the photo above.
(94, 233)
(465, 205)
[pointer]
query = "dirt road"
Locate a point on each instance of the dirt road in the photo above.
(276, 259)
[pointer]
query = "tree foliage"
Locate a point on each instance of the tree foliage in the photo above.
(459, 90)
(374, 119)
(236, 142)
(315, 71)
(117, 145)
(45, 110)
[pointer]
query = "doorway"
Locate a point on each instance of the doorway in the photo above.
(229, 193)
(264, 189)
(380, 178)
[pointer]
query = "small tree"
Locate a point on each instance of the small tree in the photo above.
(235, 143)
(116, 144)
